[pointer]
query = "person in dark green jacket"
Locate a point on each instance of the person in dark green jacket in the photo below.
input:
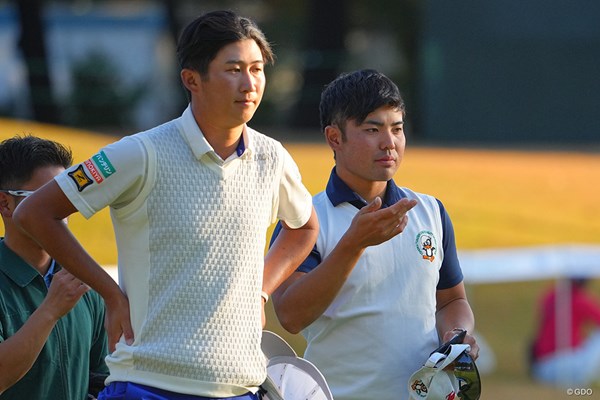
(52, 337)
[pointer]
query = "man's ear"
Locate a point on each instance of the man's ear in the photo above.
(7, 205)
(190, 79)
(333, 136)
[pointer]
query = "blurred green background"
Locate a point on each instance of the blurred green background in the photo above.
(502, 99)
(494, 73)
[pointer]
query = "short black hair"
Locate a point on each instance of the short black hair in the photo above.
(21, 156)
(204, 37)
(354, 95)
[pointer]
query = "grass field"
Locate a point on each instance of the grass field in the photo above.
(497, 198)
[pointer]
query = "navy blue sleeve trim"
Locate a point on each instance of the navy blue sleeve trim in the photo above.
(311, 262)
(450, 271)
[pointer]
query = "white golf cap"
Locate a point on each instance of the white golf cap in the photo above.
(298, 379)
(290, 377)
(432, 384)
(274, 345)
(432, 381)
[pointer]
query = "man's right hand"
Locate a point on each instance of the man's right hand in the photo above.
(373, 225)
(64, 292)
(117, 321)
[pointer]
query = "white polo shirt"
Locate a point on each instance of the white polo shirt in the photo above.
(190, 231)
(381, 326)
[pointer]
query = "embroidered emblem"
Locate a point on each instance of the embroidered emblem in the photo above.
(80, 178)
(261, 157)
(419, 388)
(426, 245)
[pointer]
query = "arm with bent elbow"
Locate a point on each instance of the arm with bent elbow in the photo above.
(42, 216)
(288, 251)
(304, 297)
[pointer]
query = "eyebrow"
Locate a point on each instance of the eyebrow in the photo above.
(379, 123)
(261, 61)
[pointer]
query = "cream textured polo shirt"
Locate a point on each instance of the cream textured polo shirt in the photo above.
(190, 231)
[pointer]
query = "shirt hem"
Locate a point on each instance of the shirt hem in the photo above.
(178, 384)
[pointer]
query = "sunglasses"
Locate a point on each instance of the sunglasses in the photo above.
(18, 193)
(464, 369)
(469, 382)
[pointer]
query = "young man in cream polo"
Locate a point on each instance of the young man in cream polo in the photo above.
(191, 201)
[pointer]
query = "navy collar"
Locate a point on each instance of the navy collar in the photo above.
(338, 192)
(241, 147)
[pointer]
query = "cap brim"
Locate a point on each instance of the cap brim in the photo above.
(298, 379)
(274, 345)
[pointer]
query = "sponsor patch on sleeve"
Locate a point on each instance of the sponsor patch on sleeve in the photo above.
(81, 179)
(104, 165)
(93, 170)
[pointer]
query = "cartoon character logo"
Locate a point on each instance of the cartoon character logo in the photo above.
(426, 245)
(419, 388)
(80, 178)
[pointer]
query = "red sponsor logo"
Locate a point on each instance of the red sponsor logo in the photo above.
(95, 174)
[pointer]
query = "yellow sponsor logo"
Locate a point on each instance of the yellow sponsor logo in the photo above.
(80, 178)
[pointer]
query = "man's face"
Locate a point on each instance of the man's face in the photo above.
(233, 87)
(373, 150)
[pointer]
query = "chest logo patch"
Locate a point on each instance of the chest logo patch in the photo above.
(80, 178)
(426, 245)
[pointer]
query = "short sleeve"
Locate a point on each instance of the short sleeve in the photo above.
(295, 202)
(450, 271)
(112, 177)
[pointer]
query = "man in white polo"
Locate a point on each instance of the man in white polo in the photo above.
(383, 284)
